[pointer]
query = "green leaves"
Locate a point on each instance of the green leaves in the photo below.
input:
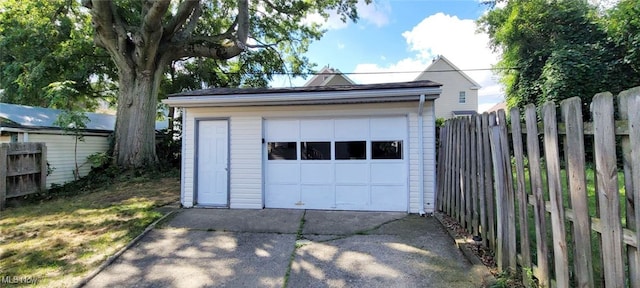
(42, 42)
(562, 49)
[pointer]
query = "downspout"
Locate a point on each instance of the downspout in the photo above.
(434, 149)
(421, 154)
(183, 167)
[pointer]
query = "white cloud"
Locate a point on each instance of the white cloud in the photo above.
(372, 73)
(441, 34)
(376, 13)
(332, 23)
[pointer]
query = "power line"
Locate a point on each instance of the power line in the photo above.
(394, 72)
(423, 71)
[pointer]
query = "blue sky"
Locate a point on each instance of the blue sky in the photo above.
(404, 36)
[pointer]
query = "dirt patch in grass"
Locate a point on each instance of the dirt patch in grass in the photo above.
(58, 241)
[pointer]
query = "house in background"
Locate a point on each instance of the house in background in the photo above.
(499, 106)
(459, 92)
(357, 147)
(329, 77)
(19, 123)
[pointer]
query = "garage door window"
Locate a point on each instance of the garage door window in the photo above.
(386, 149)
(351, 150)
(282, 150)
(315, 150)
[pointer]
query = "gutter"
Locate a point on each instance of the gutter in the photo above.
(434, 148)
(304, 98)
(421, 153)
(53, 131)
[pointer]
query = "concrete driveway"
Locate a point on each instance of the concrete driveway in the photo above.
(292, 248)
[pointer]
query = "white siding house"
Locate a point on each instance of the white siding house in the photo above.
(60, 154)
(459, 92)
(361, 147)
(19, 123)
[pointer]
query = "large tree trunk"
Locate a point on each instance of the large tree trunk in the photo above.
(136, 114)
(142, 52)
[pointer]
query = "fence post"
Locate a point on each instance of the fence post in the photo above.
(489, 120)
(3, 175)
(509, 198)
(466, 175)
(574, 156)
(518, 154)
(440, 169)
(448, 164)
(456, 178)
(464, 199)
(533, 151)
(43, 166)
(474, 175)
(552, 157)
(607, 188)
(630, 101)
(480, 179)
(498, 168)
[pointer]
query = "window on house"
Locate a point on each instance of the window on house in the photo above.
(315, 150)
(282, 150)
(462, 97)
(351, 150)
(386, 149)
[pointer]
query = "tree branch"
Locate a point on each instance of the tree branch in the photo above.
(279, 9)
(198, 50)
(186, 8)
(110, 32)
(153, 19)
(123, 38)
(102, 18)
(263, 45)
(191, 26)
(150, 35)
(243, 23)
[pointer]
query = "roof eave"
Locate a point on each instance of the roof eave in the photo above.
(324, 97)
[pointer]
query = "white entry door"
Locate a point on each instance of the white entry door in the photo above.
(213, 163)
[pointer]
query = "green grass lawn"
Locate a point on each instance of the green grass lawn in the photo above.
(59, 241)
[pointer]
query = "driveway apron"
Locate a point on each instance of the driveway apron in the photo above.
(292, 248)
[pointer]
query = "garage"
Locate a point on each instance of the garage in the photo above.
(356, 147)
(341, 163)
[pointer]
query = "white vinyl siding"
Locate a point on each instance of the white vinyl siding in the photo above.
(246, 150)
(245, 162)
(188, 160)
(453, 82)
(429, 155)
(60, 154)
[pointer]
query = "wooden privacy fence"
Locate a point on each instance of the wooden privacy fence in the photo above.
(550, 212)
(23, 170)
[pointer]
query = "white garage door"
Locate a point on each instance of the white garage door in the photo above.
(342, 164)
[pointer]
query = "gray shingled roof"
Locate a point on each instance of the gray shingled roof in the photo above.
(38, 117)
